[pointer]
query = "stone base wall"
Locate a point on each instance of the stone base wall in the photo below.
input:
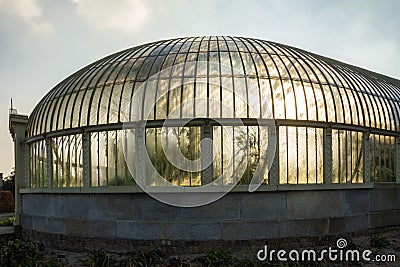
(93, 220)
(181, 247)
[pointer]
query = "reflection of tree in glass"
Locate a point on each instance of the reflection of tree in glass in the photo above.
(382, 159)
(187, 139)
(247, 144)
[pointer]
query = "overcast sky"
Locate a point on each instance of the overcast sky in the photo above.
(43, 41)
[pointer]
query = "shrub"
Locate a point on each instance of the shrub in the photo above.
(378, 241)
(6, 202)
(18, 253)
(216, 257)
(7, 222)
(99, 259)
(144, 258)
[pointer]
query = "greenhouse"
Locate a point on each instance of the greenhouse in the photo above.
(318, 137)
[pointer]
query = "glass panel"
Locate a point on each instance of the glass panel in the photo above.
(102, 158)
(187, 140)
(104, 105)
(290, 100)
(93, 106)
(300, 155)
(330, 103)
(347, 157)
(283, 155)
(240, 98)
(300, 101)
(246, 151)
(113, 179)
(215, 97)
(382, 158)
(201, 104)
(266, 99)
(279, 103)
(227, 96)
(311, 101)
(38, 164)
(259, 62)
(124, 176)
(320, 101)
(174, 102)
(94, 151)
(112, 115)
(187, 99)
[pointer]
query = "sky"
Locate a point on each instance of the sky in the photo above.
(44, 41)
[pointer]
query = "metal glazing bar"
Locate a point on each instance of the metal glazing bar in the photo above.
(206, 155)
(274, 172)
(366, 153)
(86, 146)
(49, 163)
(327, 164)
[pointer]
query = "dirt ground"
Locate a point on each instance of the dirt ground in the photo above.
(385, 243)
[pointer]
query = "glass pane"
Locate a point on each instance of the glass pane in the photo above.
(163, 142)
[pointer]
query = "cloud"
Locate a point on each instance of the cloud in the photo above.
(122, 15)
(29, 11)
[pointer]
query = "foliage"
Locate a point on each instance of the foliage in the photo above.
(9, 182)
(18, 253)
(217, 257)
(246, 262)
(378, 241)
(99, 259)
(52, 262)
(179, 262)
(6, 202)
(8, 221)
(143, 258)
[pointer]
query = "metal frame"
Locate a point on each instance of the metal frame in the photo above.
(333, 95)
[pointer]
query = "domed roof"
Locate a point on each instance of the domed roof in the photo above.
(297, 85)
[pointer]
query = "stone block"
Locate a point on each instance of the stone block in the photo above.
(110, 207)
(193, 230)
(147, 208)
(72, 206)
(36, 204)
(40, 224)
(146, 230)
(263, 205)
(250, 230)
(315, 204)
(348, 224)
(384, 198)
(304, 227)
(384, 218)
(57, 226)
(26, 222)
(357, 201)
(90, 228)
(225, 208)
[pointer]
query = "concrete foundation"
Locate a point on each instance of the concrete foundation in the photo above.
(239, 216)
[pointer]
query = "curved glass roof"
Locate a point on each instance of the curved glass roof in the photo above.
(296, 84)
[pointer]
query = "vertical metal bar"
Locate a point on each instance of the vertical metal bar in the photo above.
(367, 162)
(273, 175)
(86, 159)
(397, 159)
(327, 162)
(49, 163)
(206, 154)
(107, 160)
(140, 154)
(287, 152)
